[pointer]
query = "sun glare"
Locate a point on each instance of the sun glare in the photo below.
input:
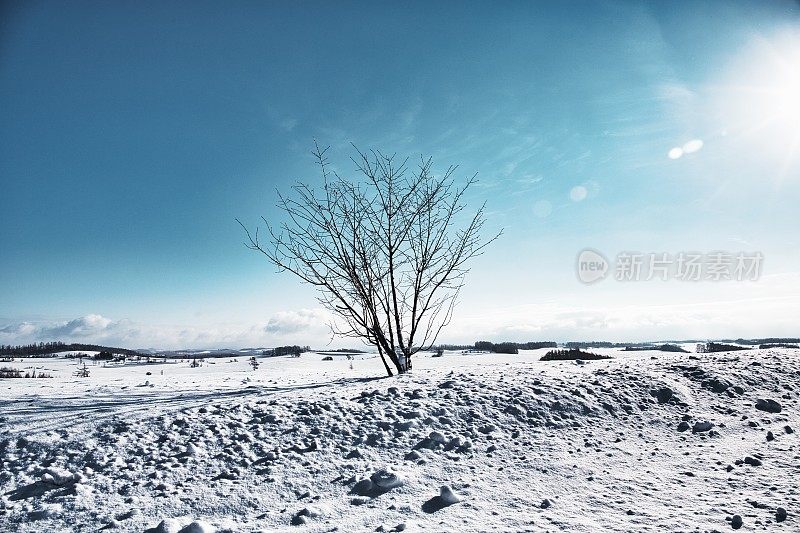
(760, 100)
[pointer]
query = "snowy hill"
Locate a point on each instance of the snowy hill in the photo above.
(647, 441)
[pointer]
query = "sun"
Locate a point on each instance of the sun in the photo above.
(773, 99)
(759, 102)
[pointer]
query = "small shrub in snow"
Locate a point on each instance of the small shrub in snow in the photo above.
(6, 372)
(82, 371)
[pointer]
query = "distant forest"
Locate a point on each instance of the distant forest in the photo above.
(286, 350)
(572, 354)
(711, 347)
(512, 347)
(44, 348)
(662, 348)
(771, 340)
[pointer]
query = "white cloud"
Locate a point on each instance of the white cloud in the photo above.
(87, 326)
(17, 330)
(289, 124)
(676, 92)
(542, 208)
(738, 309)
(295, 321)
(306, 326)
(609, 311)
(530, 179)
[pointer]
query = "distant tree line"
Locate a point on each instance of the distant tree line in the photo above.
(513, 347)
(779, 345)
(711, 347)
(536, 345)
(662, 348)
(770, 340)
(45, 348)
(593, 344)
(452, 347)
(499, 347)
(286, 350)
(625, 345)
(572, 354)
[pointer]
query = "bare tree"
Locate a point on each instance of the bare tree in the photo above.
(81, 372)
(388, 251)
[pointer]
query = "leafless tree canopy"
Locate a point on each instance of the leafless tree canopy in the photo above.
(387, 251)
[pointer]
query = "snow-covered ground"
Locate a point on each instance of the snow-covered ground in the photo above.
(464, 443)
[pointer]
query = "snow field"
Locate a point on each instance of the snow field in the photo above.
(651, 442)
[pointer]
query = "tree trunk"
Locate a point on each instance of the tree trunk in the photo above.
(402, 362)
(383, 359)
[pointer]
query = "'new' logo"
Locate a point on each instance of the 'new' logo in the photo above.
(592, 266)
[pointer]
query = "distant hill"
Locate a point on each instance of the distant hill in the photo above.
(46, 348)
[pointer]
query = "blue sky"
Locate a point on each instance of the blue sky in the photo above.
(133, 133)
